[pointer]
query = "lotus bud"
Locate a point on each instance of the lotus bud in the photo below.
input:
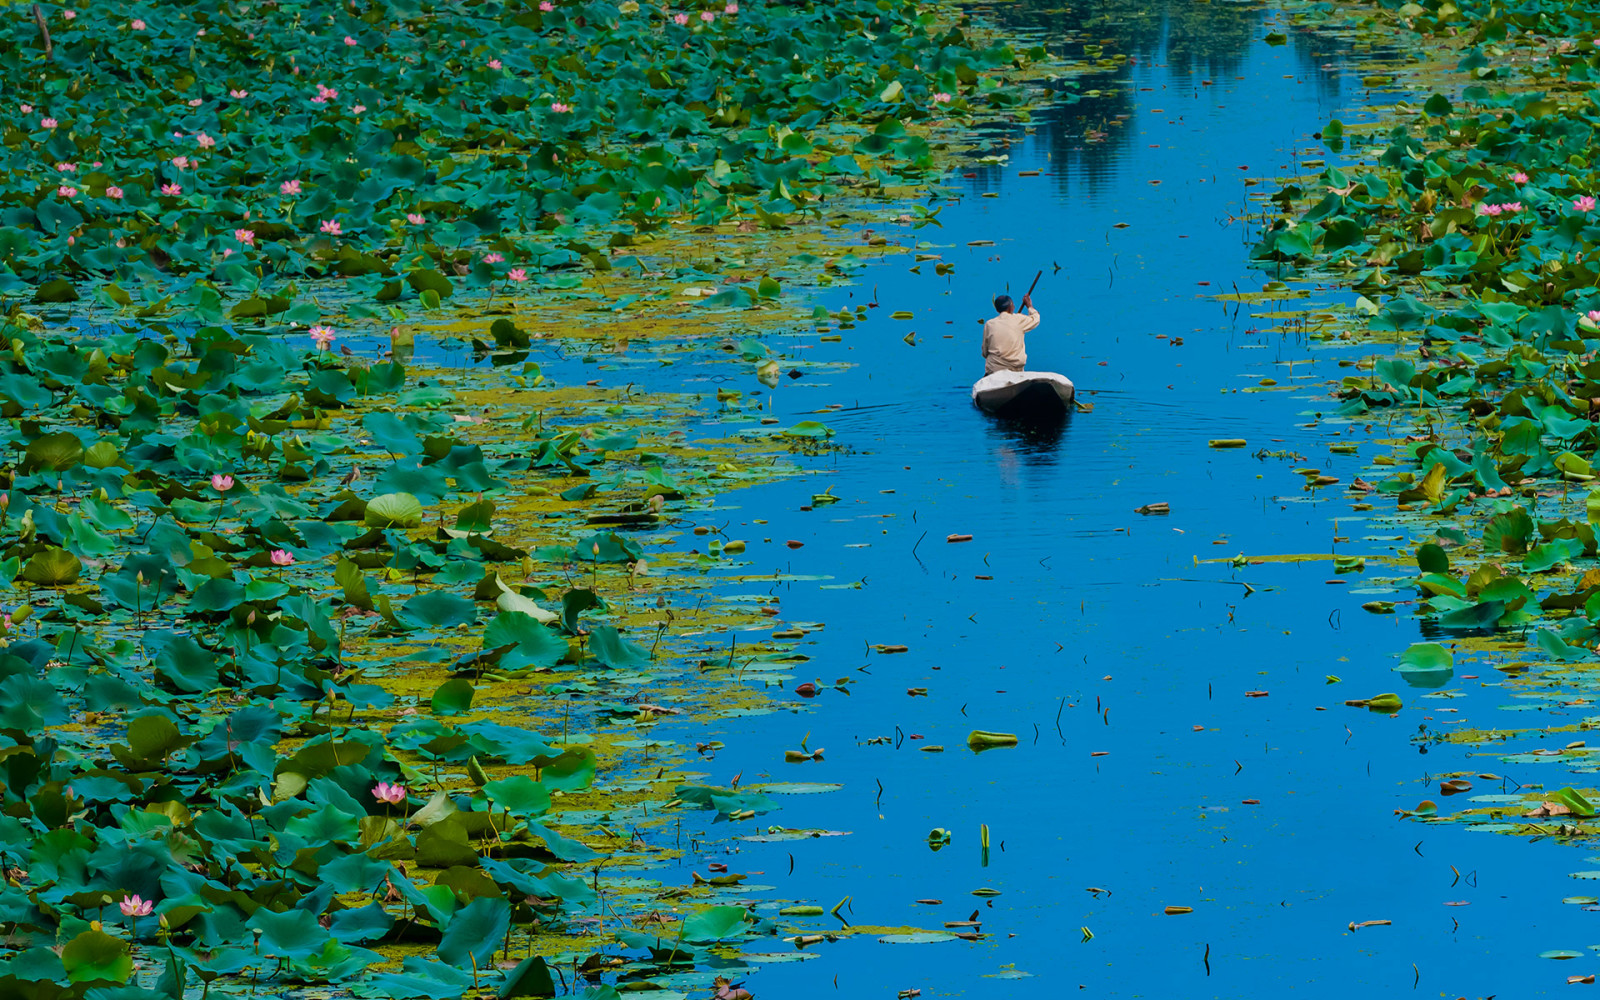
(250, 619)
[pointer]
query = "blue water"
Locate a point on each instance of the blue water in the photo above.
(1086, 628)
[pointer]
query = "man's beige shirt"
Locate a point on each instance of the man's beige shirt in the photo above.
(1004, 349)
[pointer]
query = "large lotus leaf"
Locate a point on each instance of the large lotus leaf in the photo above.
(95, 956)
(444, 844)
(1427, 664)
(187, 666)
(1558, 648)
(475, 933)
(716, 923)
(426, 483)
(393, 510)
(572, 771)
(510, 744)
(452, 697)
(153, 737)
(439, 609)
(511, 600)
(613, 650)
(520, 795)
(574, 603)
(420, 979)
(364, 923)
(607, 547)
(534, 645)
(52, 567)
(1509, 532)
(531, 978)
(56, 452)
(1552, 554)
(290, 933)
(28, 704)
(563, 847)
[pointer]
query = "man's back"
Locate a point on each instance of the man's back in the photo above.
(1004, 343)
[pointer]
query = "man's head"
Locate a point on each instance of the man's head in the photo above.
(1003, 304)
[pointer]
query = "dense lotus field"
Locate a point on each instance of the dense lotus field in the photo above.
(1470, 229)
(323, 667)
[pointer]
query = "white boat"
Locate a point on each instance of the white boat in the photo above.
(1024, 395)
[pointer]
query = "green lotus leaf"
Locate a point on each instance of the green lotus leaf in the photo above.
(393, 510)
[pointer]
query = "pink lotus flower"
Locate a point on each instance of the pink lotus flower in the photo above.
(1484, 208)
(48, 123)
(1519, 178)
(26, 109)
(1594, 315)
(518, 274)
(392, 794)
(493, 258)
(181, 162)
(136, 24)
(69, 14)
(67, 168)
(323, 335)
(201, 33)
(415, 218)
(227, 252)
(114, 192)
(349, 41)
(546, 6)
(494, 64)
(289, 187)
(205, 141)
(732, 8)
(171, 189)
(133, 906)
(356, 109)
(1584, 203)
(67, 191)
(221, 483)
(245, 236)
(560, 108)
(707, 16)
(680, 18)
(1511, 206)
(331, 227)
(941, 98)
(281, 558)
(238, 95)
(196, 102)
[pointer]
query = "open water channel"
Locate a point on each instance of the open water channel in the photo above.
(1148, 775)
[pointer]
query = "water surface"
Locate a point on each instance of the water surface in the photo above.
(1147, 768)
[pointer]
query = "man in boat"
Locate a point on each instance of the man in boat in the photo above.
(1004, 347)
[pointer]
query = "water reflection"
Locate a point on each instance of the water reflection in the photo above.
(1025, 444)
(1198, 45)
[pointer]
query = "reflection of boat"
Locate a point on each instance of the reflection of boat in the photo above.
(1024, 395)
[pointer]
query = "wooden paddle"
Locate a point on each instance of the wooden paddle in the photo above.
(1034, 285)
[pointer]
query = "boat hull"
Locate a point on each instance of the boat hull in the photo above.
(1024, 395)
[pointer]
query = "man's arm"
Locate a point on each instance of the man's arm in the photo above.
(983, 350)
(1030, 317)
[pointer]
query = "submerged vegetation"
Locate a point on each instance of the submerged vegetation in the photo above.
(1470, 229)
(326, 667)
